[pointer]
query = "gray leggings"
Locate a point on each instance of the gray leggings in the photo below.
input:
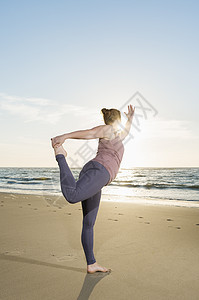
(87, 189)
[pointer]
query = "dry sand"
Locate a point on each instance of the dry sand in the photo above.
(153, 251)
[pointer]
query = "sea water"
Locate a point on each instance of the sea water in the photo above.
(173, 186)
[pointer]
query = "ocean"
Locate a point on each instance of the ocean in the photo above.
(166, 186)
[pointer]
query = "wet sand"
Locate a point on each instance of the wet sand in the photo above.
(153, 251)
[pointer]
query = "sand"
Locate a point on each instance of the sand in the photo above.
(153, 251)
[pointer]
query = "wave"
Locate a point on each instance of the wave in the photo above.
(16, 182)
(26, 180)
(42, 178)
(156, 185)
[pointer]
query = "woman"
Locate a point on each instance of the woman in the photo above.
(95, 174)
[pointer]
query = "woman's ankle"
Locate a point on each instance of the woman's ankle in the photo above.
(92, 264)
(60, 150)
(58, 156)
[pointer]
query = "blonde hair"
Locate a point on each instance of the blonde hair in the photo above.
(110, 115)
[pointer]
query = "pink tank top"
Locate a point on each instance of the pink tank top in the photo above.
(109, 154)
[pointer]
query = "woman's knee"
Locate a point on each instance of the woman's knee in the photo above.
(71, 200)
(69, 195)
(89, 222)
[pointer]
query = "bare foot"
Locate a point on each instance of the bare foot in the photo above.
(60, 150)
(96, 268)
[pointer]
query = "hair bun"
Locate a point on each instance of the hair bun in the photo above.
(104, 110)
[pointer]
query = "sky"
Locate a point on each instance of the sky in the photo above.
(61, 62)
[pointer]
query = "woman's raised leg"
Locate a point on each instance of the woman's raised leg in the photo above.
(94, 177)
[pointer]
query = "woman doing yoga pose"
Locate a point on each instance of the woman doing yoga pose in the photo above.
(95, 174)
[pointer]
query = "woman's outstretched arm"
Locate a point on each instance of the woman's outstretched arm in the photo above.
(127, 128)
(101, 131)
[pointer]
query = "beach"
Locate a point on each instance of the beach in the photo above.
(151, 249)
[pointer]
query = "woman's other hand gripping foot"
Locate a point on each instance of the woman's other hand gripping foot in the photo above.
(57, 141)
(59, 149)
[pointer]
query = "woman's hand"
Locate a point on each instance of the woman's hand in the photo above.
(58, 141)
(130, 112)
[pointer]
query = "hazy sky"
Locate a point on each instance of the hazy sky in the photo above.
(62, 61)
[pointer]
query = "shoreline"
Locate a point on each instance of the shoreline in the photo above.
(112, 198)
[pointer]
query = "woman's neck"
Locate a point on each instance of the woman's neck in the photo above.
(115, 128)
(115, 125)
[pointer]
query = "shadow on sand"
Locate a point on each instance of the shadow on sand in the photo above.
(89, 283)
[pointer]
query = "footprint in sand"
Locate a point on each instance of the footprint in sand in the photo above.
(113, 219)
(197, 224)
(67, 257)
(14, 252)
(35, 208)
(20, 206)
(120, 214)
(2, 201)
(147, 222)
(140, 217)
(177, 227)
(60, 207)
(2, 205)
(68, 214)
(169, 220)
(29, 203)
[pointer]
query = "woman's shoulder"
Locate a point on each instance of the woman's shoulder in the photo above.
(110, 133)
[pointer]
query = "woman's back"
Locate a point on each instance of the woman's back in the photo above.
(109, 154)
